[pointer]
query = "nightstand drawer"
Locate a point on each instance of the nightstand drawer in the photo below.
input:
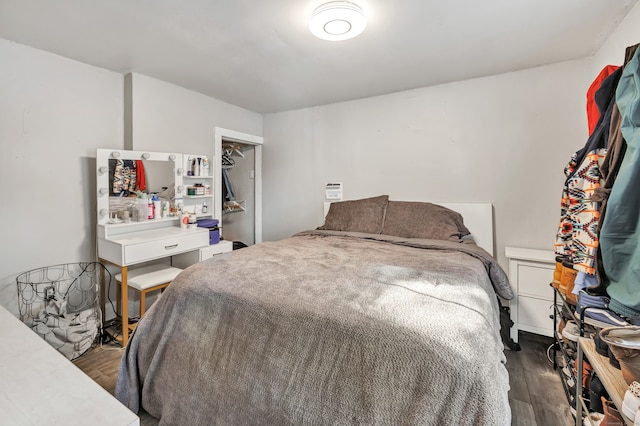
(534, 279)
(534, 315)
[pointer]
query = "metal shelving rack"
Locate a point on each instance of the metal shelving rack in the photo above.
(561, 309)
(610, 377)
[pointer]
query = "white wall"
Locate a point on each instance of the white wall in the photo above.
(613, 49)
(169, 118)
(54, 113)
(503, 139)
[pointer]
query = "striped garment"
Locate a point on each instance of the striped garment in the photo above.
(577, 234)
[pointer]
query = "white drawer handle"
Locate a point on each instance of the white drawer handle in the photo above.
(171, 247)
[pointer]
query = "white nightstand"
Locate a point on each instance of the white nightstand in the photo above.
(531, 273)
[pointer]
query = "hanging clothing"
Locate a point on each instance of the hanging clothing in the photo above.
(141, 179)
(620, 232)
(616, 148)
(593, 112)
(583, 281)
(228, 186)
(577, 235)
(124, 177)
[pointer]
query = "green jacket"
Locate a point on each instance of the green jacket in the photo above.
(620, 232)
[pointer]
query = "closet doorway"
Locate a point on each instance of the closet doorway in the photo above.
(238, 185)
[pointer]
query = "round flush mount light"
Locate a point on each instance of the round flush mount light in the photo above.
(337, 20)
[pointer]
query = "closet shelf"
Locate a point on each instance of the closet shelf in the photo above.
(197, 177)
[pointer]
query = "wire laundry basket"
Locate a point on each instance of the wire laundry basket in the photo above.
(61, 303)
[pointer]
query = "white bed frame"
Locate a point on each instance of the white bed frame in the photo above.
(478, 217)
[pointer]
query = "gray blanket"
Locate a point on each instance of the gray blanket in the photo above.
(324, 328)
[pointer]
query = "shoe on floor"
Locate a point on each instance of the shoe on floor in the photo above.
(601, 346)
(631, 401)
(593, 419)
(596, 392)
(602, 318)
(612, 416)
(571, 331)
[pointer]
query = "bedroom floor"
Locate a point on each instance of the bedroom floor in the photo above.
(536, 394)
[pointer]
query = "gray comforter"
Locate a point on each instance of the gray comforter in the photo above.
(325, 328)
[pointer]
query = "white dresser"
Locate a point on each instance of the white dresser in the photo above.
(531, 273)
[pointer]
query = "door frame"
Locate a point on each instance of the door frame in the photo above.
(247, 139)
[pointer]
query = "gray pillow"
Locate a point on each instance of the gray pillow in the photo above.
(423, 220)
(365, 215)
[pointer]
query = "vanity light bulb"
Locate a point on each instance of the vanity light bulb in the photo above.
(172, 157)
(103, 170)
(103, 191)
(180, 188)
(104, 212)
(180, 171)
(115, 154)
(145, 156)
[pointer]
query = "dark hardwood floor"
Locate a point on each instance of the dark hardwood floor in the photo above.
(536, 395)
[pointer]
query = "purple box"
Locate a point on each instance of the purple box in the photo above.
(214, 229)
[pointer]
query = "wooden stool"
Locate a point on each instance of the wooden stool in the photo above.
(148, 279)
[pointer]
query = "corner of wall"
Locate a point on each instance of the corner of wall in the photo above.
(128, 111)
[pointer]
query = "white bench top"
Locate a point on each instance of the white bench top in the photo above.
(40, 386)
(149, 276)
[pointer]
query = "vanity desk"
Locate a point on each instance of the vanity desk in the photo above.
(127, 243)
(131, 248)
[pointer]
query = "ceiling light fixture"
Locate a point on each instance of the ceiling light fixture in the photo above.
(337, 20)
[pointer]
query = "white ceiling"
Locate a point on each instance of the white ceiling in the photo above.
(259, 54)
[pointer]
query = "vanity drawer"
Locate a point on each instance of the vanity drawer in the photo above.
(215, 249)
(170, 245)
(185, 260)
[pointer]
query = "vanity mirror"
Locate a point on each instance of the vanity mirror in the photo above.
(122, 174)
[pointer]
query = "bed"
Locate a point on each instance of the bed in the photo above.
(386, 314)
